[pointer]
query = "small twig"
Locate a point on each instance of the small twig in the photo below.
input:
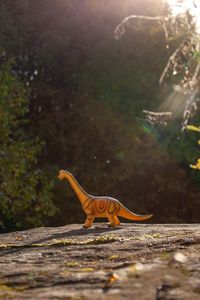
(157, 117)
(170, 61)
(153, 113)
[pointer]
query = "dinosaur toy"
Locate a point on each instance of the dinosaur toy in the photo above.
(100, 207)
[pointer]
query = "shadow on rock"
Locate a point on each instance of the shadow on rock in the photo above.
(79, 232)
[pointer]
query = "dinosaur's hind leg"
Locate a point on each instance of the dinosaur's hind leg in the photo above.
(114, 221)
(117, 221)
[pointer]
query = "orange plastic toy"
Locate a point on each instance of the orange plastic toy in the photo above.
(101, 206)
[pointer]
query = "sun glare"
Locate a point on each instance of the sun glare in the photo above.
(180, 7)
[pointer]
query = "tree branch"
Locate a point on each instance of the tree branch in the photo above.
(119, 30)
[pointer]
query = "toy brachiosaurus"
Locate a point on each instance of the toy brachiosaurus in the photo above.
(101, 206)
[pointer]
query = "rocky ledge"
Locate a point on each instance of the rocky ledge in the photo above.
(133, 261)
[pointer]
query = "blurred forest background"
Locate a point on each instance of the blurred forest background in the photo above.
(71, 97)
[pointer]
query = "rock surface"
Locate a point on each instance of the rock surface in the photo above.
(133, 261)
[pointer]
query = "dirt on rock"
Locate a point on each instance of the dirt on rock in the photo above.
(132, 261)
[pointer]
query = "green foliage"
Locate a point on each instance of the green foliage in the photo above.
(25, 192)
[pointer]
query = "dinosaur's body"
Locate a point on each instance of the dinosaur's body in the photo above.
(100, 207)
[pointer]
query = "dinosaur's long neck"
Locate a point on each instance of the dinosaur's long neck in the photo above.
(78, 190)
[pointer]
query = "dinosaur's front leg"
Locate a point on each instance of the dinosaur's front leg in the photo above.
(89, 221)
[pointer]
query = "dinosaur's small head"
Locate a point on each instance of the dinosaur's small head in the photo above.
(61, 174)
(64, 174)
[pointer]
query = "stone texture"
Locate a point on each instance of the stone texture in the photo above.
(133, 261)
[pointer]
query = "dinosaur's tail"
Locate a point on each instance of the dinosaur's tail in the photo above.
(127, 214)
